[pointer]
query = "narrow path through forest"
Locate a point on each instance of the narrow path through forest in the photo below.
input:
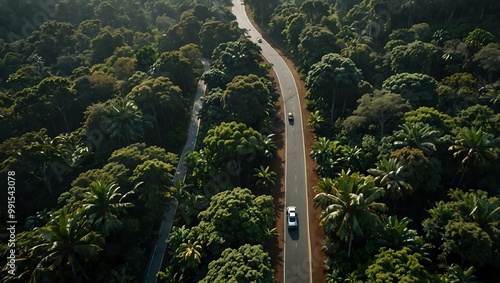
(156, 258)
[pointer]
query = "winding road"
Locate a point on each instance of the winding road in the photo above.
(156, 258)
(297, 244)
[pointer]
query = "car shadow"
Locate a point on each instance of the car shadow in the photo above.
(294, 233)
(292, 122)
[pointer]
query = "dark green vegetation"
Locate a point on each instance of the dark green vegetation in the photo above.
(403, 98)
(95, 100)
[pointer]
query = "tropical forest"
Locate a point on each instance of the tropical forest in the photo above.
(401, 115)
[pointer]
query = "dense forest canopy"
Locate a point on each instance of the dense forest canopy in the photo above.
(96, 97)
(403, 100)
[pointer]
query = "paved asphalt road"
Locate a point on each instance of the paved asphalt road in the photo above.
(297, 252)
(156, 258)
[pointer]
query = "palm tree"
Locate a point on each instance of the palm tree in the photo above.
(68, 242)
(327, 154)
(389, 174)
(104, 204)
(315, 120)
(480, 209)
(126, 121)
(475, 146)
(418, 135)
(395, 234)
(350, 207)
(265, 177)
(269, 146)
(190, 253)
(491, 94)
(351, 157)
(455, 273)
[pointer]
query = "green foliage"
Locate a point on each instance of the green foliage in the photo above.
(265, 177)
(396, 235)
(246, 264)
(398, 265)
(417, 135)
(475, 145)
(479, 38)
(239, 57)
(104, 204)
(455, 273)
(104, 44)
(244, 93)
(466, 226)
(377, 110)
(467, 240)
(479, 116)
(178, 68)
(431, 116)
(418, 89)
(348, 206)
(420, 172)
(457, 92)
(415, 57)
(213, 33)
(328, 155)
(157, 178)
(239, 208)
(333, 75)
(231, 142)
(488, 60)
(68, 243)
(389, 173)
(315, 42)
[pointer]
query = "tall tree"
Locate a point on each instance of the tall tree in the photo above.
(396, 235)
(415, 57)
(315, 42)
(104, 204)
(378, 109)
(350, 206)
(126, 122)
(265, 177)
(418, 89)
(390, 175)
(239, 57)
(417, 135)
(231, 142)
(246, 264)
(161, 99)
(475, 146)
(248, 100)
(60, 95)
(68, 243)
(398, 265)
(190, 253)
(328, 155)
(239, 208)
(333, 75)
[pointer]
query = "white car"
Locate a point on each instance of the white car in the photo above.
(290, 116)
(291, 213)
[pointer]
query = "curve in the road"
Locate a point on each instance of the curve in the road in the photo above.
(297, 263)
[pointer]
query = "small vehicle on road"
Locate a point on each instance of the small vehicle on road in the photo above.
(290, 116)
(259, 40)
(291, 213)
